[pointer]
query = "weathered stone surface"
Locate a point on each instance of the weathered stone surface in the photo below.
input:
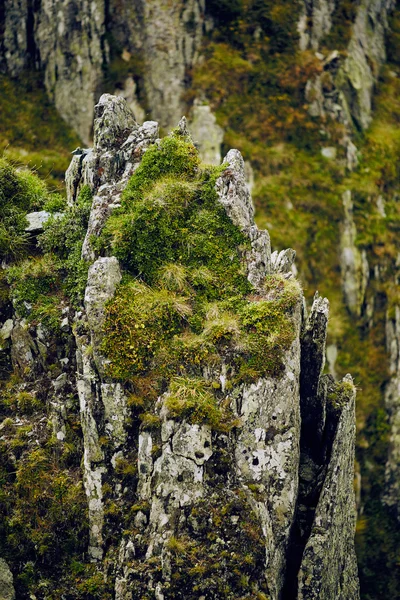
(329, 566)
(234, 194)
(66, 40)
(93, 456)
(167, 35)
(353, 263)
(6, 330)
(119, 144)
(103, 278)
(281, 262)
(392, 401)
(353, 77)
(267, 453)
(206, 133)
(315, 22)
(7, 591)
(24, 353)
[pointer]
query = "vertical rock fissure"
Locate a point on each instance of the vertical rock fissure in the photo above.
(316, 439)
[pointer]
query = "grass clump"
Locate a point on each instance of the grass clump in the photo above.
(21, 191)
(186, 304)
(32, 133)
(139, 321)
(193, 399)
(170, 216)
(34, 286)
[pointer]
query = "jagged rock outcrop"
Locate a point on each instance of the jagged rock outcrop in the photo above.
(329, 566)
(248, 476)
(119, 144)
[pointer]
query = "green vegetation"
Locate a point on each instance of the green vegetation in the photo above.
(222, 552)
(43, 507)
(63, 237)
(189, 304)
(40, 286)
(32, 133)
(262, 102)
(20, 191)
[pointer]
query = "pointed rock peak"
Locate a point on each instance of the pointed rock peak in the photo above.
(113, 122)
(235, 160)
(183, 127)
(281, 262)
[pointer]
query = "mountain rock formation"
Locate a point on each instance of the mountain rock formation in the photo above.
(253, 497)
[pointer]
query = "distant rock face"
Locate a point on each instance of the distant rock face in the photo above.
(167, 36)
(348, 95)
(65, 40)
(354, 264)
(186, 471)
(206, 133)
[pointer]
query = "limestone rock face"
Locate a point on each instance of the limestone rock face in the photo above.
(7, 591)
(167, 35)
(206, 133)
(234, 194)
(354, 264)
(329, 567)
(68, 42)
(315, 22)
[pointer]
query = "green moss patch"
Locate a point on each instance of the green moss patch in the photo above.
(185, 302)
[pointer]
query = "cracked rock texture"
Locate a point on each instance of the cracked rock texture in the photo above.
(392, 400)
(185, 467)
(7, 591)
(68, 43)
(274, 491)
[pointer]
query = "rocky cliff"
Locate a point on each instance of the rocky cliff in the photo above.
(217, 459)
(69, 43)
(325, 170)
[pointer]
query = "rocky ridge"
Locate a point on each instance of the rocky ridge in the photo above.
(278, 485)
